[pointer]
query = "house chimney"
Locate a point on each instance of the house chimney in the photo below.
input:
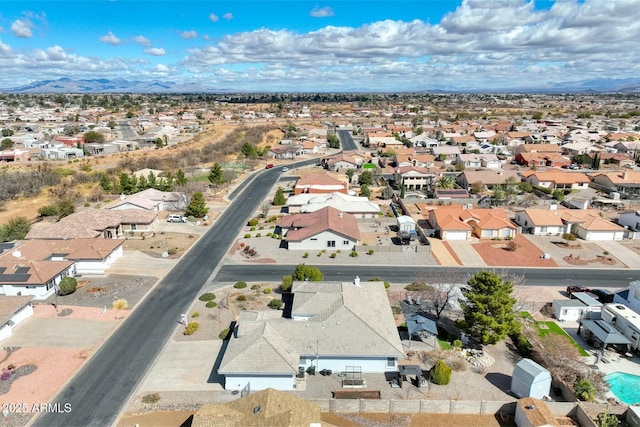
(16, 253)
(625, 174)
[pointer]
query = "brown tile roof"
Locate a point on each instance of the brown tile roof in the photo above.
(35, 272)
(589, 219)
(320, 178)
(70, 249)
(91, 223)
(489, 177)
(539, 148)
(544, 217)
(304, 226)
(487, 219)
(621, 177)
(562, 178)
(9, 305)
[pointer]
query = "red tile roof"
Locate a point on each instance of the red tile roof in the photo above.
(304, 226)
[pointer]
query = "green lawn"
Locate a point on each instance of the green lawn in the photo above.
(444, 345)
(553, 328)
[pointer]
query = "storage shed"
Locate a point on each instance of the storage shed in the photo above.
(530, 380)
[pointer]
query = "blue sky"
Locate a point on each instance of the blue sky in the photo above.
(322, 46)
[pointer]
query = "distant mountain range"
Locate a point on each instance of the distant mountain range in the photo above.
(67, 85)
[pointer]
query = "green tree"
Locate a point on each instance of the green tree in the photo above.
(249, 150)
(595, 164)
(488, 308)
(584, 390)
(112, 124)
(333, 141)
(127, 184)
(446, 182)
(105, 182)
(279, 199)
(7, 132)
(365, 178)
(93, 137)
(303, 272)
(6, 144)
(287, 282)
(349, 173)
(67, 286)
(143, 184)
(159, 143)
(216, 175)
(65, 208)
(387, 193)
(181, 178)
(440, 373)
(152, 181)
(15, 229)
(365, 192)
(197, 206)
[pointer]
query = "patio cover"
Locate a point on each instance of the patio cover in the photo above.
(606, 333)
(417, 324)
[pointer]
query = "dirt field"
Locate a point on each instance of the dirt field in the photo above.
(494, 253)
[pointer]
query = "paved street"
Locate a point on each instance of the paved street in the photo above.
(346, 140)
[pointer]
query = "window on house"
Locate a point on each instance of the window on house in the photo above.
(313, 239)
(133, 226)
(391, 362)
(331, 243)
(345, 242)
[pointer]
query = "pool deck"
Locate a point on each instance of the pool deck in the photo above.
(610, 362)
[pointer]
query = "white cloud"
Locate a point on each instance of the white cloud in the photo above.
(228, 16)
(111, 39)
(321, 12)
(187, 35)
(162, 68)
(155, 51)
(213, 17)
(5, 49)
(142, 40)
(22, 28)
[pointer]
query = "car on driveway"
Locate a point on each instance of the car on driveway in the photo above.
(573, 289)
(176, 218)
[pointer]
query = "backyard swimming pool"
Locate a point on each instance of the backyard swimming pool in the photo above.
(626, 387)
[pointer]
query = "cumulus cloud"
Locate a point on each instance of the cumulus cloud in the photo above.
(162, 68)
(142, 40)
(111, 39)
(187, 35)
(22, 28)
(5, 49)
(321, 12)
(228, 16)
(213, 17)
(155, 51)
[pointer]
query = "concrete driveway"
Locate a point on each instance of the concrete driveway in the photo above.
(59, 333)
(466, 253)
(138, 263)
(624, 254)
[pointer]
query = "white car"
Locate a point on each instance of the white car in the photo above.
(177, 218)
(285, 169)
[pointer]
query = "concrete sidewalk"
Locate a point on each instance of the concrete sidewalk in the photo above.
(624, 254)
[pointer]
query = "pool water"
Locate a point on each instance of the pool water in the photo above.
(626, 387)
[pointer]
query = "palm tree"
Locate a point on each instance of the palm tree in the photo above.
(446, 182)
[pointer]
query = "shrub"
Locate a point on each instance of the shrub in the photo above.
(191, 328)
(457, 364)
(511, 246)
(287, 282)
(258, 234)
(417, 287)
(120, 304)
(241, 298)
(261, 228)
(252, 229)
(304, 272)
(48, 210)
(457, 344)
(570, 237)
(276, 304)
(306, 255)
(240, 285)
(67, 286)
(607, 419)
(319, 254)
(440, 373)
(208, 296)
(224, 334)
(584, 390)
(255, 287)
(151, 398)
(172, 251)
(252, 222)
(195, 314)
(522, 344)
(266, 291)
(353, 254)
(269, 234)
(247, 236)
(211, 304)
(396, 310)
(370, 251)
(333, 255)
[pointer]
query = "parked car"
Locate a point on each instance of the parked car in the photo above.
(573, 289)
(269, 166)
(285, 169)
(176, 218)
(603, 295)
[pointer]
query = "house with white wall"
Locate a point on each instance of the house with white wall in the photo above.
(326, 228)
(39, 279)
(333, 325)
(13, 310)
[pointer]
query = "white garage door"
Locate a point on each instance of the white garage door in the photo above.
(456, 235)
(608, 235)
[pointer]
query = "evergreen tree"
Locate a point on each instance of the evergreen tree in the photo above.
(197, 206)
(105, 183)
(365, 178)
(181, 178)
(143, 184)
(216, 175)
(127, 184)
(488, 308)
(304, 272)
(279, 199)
(152, 180)
(365, 192)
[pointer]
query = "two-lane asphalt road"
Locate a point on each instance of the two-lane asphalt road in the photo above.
(102, 387)
(346, 140)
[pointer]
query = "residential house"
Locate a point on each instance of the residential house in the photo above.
(540, 222)
(388, 142)
(579, 307)
(318, 183)
(488, 179)
(413, 178)
(35, 278)
(333, 325)
(585, 223)
(465, 141)
(326, 228)
(558, 180)
(152, 199)
(286, 151)
(13, 310)
(538, 148)
(455, 223)
(61, 152)
(91, 256)
(105, 223)
(542, 159)
(446, 153)
(581, 147)
(625, 182)
(628, 147)
(490, 161)
(342, 161)
(359, 207)
(412, 157)
(16, 155)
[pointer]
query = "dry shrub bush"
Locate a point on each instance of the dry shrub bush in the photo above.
(120, 304)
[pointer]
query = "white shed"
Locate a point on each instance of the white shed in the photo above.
(530, 380)
(406, 223)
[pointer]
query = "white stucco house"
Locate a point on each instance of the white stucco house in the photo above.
(326, 228)
(572, 310)
(152, 199)
(359, 207)
(13, 310)
(336, 325)
(39, 279)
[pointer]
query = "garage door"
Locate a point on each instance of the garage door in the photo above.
(609, 235)
(456, 235)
